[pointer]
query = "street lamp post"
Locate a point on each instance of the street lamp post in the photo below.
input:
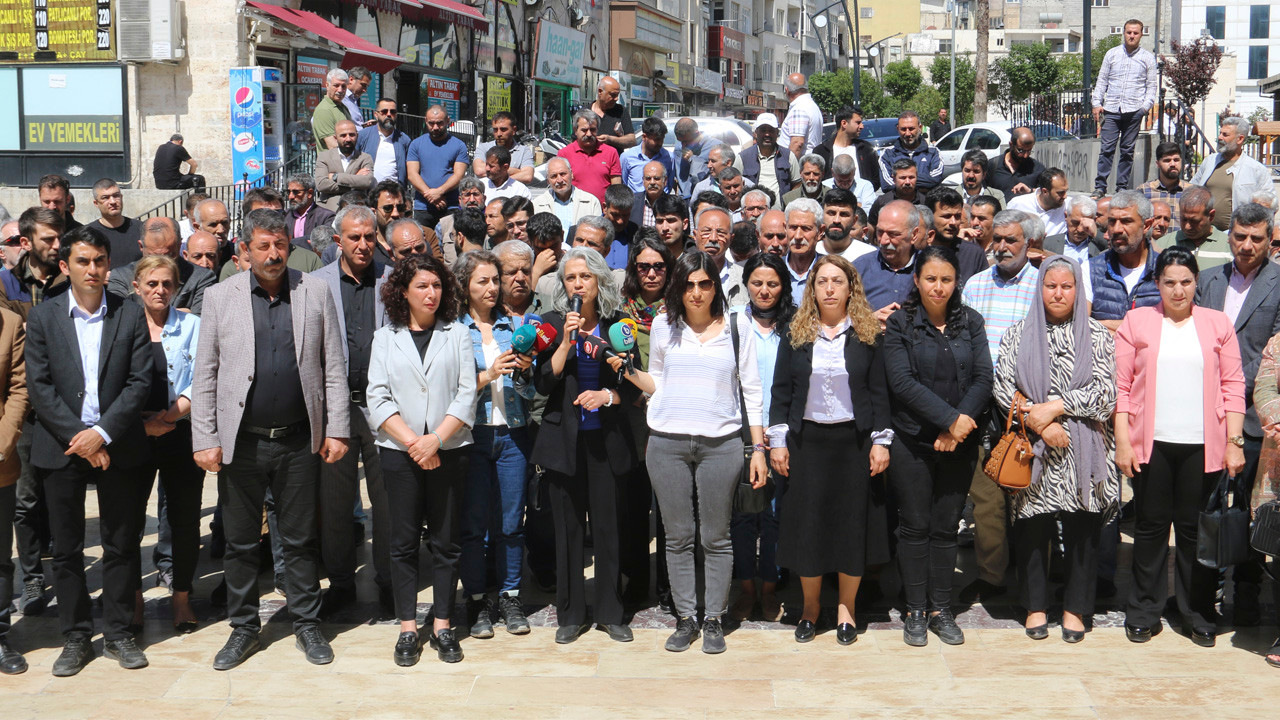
(955, 14)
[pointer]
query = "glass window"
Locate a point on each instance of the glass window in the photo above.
(1258, 62)
(951, 141)
(1215, 20)
(984, 139)
(1102, 3)
(1259, 22)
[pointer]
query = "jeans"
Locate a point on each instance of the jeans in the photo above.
(339, 493)
(288, 468)
(493, 509)
(415, 495)
(747, 531)
(1117, 129)
(931, 488)
(694, 479)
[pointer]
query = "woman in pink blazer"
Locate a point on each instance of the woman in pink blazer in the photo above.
(1179, 422)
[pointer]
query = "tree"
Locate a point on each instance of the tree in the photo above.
(876, 103)
(1099, 53)
(927, 101)
(983, 22)
(902, 79)
(1028, 69)
(832, 91)
(966, 79)
(1191, 72)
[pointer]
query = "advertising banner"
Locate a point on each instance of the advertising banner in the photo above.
(560, 54)
(246, 125)
(443, 91)
(58, 30)
(71, 109)
(497, 96)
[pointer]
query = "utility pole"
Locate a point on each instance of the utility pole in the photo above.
(951, 109)
(1087, 91)
(856, 42)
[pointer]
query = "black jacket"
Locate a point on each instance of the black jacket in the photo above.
(868, 159)
(911, 356)
(867, 384)
(556, 447)
(56, 383)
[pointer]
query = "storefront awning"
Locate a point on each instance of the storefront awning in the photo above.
(448, 11)
(357, 51)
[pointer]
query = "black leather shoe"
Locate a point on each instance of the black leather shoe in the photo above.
(408, 649)
(446, 646)
(1138, 633)
(805, 630)
(944, 626)
(566, 634)
(915, 628)
(335, 600)
(312, 644)
(77, 651)
(1204, 637)
(1072, 636)
(33, 600)
(126, 652)
(1038, 632)
(846, 633)
(620, 633)
(11, 661)
(238, 648)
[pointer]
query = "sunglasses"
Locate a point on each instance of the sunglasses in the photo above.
(385, 112)
(643, 268)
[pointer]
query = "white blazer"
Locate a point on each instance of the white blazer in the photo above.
(422, 391)
(584, 205)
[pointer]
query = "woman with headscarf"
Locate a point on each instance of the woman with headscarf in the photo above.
(1063, 364)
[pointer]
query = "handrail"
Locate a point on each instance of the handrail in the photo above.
(230, 194)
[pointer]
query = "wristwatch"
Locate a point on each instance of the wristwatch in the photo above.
(1237, 440)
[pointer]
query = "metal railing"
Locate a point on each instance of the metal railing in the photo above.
(230, 195)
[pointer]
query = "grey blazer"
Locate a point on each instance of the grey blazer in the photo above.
(423, 390)
(331, 274)
(224, 365)
(193, 280)
(329, 189)
(1054, 245)
(1258, 321)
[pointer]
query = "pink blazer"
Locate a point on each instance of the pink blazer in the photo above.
(1138, 341)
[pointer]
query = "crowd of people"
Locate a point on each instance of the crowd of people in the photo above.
(525, 383)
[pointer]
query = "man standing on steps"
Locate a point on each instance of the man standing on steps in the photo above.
(1124, 92)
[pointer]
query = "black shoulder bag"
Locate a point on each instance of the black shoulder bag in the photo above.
(746, 499)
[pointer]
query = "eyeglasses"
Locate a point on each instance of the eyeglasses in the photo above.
(388, 209)
(13, 240)
(643, 268)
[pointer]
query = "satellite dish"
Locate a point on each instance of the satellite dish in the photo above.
(820, 21)
(874, 52)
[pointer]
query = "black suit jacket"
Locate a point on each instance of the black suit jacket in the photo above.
(193, 280)
(868, 384)
(56, 382)
(911, 355)
(868, 159)
(317, 216)
(1258, 321)
(556, 447)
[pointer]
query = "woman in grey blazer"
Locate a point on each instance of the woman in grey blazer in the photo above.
(422, 396)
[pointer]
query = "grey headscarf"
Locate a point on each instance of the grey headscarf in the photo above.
(1032, 377)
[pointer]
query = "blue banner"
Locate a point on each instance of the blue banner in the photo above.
(246, 125)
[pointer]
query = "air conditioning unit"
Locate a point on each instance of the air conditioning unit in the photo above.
(149, 30)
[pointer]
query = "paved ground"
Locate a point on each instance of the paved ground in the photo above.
(998, 672)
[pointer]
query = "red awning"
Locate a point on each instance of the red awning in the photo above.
(357, 51)
(451, 12)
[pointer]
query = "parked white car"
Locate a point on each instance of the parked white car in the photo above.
(992, 138)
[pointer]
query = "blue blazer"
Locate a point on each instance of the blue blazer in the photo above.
(180, 338)
(367, 142)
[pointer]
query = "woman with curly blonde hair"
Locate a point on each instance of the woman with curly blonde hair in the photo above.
(830, 407)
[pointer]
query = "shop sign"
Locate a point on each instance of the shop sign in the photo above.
(755, 98)
(735, 93)
(60, 30)
(640, 90)
(560, 54)
(445, 92)
(708, 81)
(497, 96)
(726, 43)
(72, 109)
(311, 71)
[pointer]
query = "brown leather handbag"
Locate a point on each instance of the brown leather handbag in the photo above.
(1009, 463)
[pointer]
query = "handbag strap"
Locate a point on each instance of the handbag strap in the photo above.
(737, 371)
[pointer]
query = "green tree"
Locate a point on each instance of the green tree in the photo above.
(927, 101)
(876, 103)
(966, 79)
(832, 91)
(1070, 72)
(1027, 70)
(902, 79)
(1100, 49)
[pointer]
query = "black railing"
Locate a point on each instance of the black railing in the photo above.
(230, 195)
(1069, 110)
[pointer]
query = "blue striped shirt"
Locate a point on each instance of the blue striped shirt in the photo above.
(1001, 302)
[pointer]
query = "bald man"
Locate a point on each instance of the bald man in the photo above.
(10, 243)
(1014, 171)
(202, 250)
(161, 236)
(802, 128)
(615, 121)
(342, 169)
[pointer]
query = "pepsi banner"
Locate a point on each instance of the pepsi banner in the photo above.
(248, 163)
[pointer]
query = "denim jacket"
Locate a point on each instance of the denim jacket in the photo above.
(516, 388)
(179, 338)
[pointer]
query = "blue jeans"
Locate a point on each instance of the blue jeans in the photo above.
(745, 530)
(493, 509)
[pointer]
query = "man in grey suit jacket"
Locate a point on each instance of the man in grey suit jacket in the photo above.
(160, 236)
(1247, 289)
(269, 401)
(343, 168)
(355, 282)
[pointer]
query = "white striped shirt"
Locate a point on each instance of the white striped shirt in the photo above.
(696, 388)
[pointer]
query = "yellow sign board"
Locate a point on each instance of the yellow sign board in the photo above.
(58, 30)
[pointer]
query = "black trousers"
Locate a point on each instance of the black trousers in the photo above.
(1248, 574)
(1034, 538)
(415, 495)
(1171, 489)
(633, 531)
(119, 493)
(291, 471)
(8, 499)
(182, 482)
(339, 492)
(592, 490)
(931, 488)
(31, 514)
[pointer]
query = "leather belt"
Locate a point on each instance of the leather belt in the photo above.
(275, 433)
(358, 398)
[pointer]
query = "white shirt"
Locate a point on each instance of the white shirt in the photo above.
(862, 190)
(830, 400)
(498, 416)
(1055, 220)
(1179, 385)
(89, 338)
(799, 280)
(1237, 291)
(696, 383)
(347, 159)
(1131, 277)
(384, 162)
(856, 249)
(352, 103)
(803, 118)
(510, 188)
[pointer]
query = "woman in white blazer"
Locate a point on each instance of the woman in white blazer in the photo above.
(422, 398)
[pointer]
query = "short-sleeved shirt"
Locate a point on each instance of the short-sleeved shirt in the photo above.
(1213, 251)
(804, 118)
(124, 241)
(592, 173)
(615, 122)
(436, 164)
(521, 154)
(325, 119)
(165, 169)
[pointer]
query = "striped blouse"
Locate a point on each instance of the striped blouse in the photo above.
(696, 383)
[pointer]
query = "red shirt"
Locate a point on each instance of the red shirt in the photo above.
(592, 173)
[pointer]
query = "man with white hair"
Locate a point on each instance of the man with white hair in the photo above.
(844, 175)
(804, 228)
(1229, 174)
(1078, 242)
(567, 202)
(330, 111)
(803, 125)
(10, 243)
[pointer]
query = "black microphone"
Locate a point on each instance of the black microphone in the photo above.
(575, 305)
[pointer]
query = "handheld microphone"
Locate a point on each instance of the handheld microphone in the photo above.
(575, 305)
(532, 319)
(635, 326)
(524, 339)
(623, 340)
(546, 337)
(595, 347)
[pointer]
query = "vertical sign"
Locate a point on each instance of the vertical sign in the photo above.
(445, 92)
(246, 124)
